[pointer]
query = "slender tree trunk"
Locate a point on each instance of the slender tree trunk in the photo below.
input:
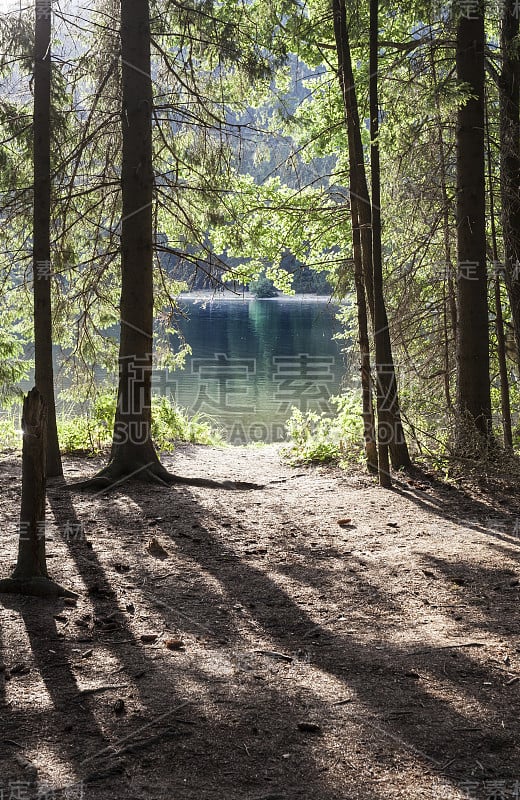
(449, 293)
(505, 401)
(369, 428)
(133, 452)
(30, 575)
(509, 87)
(358, 180)
(474, 396)
(132, 445)
(359, 189)
(44, 375)
(384, 366)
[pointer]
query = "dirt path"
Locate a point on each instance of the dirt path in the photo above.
(320, 639)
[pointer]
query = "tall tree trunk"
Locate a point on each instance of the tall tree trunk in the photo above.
(44, 374)
(358, 180)
(385, 375)
(359, 189)
(369, 429)
(505, 400)
(473, 390)
(449, 293)
(132, 445)
(133, 452)
(509, 87)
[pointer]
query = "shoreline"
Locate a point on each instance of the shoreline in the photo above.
(209, 295)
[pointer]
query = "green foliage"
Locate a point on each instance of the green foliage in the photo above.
(10, 430)
(13, 367)
(263, 287)
(170, 424)
(318, 438)
(91, 433)
(81, 434)
(308, 281)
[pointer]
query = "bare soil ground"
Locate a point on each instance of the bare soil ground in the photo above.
(321, 639)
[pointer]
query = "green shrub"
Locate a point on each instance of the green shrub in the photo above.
(170, 424)
(319, 438)
(90, 432)
(263, 288)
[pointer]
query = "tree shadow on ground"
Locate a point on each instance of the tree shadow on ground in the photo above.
(219, 723)
(377, 675)
(463, 508)
(400, 710)
(64, 736)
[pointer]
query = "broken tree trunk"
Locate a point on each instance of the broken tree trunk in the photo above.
(30, 575)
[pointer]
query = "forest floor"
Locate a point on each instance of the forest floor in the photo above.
(319, 639)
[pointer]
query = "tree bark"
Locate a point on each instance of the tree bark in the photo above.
(31, 550)
(505, 398)
(42, 275)
(358, 180)
(449, 291)
(473, 395)
(505, 401)
(509, 88)
(384, 365)
(369, 428)
(133, 453)
(30, 575)
(359, 189)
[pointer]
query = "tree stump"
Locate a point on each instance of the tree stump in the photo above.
(30, 575)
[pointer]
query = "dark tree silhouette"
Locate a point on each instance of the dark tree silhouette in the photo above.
(44, 374)
(474, 398)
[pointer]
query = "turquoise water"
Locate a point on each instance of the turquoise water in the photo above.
(252, 360)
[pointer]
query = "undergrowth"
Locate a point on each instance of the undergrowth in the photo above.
(92, 432)
(318, 438)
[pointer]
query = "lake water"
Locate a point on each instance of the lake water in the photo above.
(252, 360)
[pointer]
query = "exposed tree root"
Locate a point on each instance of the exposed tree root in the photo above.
(35, 587)
(232, 485)
(114, 475)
